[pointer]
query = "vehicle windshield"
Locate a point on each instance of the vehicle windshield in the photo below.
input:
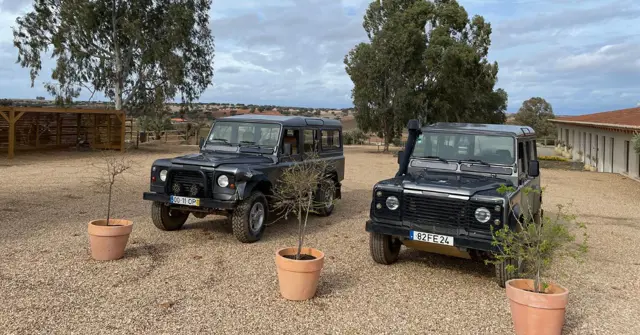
(481, 149)
(244, 134)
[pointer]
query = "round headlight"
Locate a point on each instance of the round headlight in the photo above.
(483, 215)
(163, 175)
(223, 181)
(392, 203)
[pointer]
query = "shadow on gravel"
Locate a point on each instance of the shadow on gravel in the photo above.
(332, 283)
(466, 266)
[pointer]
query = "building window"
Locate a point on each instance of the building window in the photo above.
(626, 156)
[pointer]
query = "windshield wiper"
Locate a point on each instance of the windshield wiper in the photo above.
(223, 140)
(436, 157)
(478, 161)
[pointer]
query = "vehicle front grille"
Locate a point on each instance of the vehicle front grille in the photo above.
(186, 183)
(445, 212)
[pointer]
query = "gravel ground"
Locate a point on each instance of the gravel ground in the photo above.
(201, 280)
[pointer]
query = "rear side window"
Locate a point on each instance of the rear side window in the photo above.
(310, 142)
(330, 139)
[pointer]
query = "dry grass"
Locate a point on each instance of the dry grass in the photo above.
(200, 279)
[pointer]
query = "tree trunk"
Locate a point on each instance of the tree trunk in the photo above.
(117, 58)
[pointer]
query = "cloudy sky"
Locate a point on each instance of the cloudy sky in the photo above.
(582, 56)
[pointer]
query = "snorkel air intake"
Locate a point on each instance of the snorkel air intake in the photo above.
(414, 130)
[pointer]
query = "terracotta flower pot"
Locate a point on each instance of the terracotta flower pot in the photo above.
(536, 313)
(108, 242)
(298, 278)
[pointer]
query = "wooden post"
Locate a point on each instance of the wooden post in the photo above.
(95, 129)
(123, 123)
(12, 131)
(58, 129)
(109, 131)
(37, 130)
(78, 125)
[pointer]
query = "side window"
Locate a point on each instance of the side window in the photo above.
(522, 159)
(310, 141)
(529, 151)
(291, 136)
(330, 140)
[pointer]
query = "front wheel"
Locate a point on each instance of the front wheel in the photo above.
(165, 218)
(384, 249)
(503, 275)
(249, 218)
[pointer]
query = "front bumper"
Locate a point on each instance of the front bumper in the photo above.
(459, 241)
(204, 202)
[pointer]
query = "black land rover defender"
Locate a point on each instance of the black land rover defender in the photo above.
(444, 197)
(237, 167)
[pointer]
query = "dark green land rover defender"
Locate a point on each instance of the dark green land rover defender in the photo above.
(444, 198)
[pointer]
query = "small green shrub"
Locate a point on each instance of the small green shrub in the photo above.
(355, 136)
(552, 158)
(536, 244)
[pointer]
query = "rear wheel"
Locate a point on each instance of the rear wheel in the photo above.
(165, 218)
(249, 218)
(384, 249)
(324, 198)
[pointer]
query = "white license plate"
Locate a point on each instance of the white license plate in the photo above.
(184, 201)
(431, 238)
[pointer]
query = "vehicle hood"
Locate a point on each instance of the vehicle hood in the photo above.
(454, 183)
(214, 160)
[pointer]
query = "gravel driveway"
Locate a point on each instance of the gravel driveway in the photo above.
(200, 279)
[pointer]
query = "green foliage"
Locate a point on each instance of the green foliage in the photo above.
(355, 136)
(535, 245)
(636, 142)
(553, 158)
(536, 113)
(397, 76)
(296, 189)
(128, 50)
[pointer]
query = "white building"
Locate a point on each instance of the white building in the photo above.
(603, 140)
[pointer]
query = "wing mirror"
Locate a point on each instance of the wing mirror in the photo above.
(534, 168)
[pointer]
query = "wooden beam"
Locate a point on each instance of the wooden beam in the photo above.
(12, 134)
(95, 129)
(4, 116)
(78, 124)
(66, 110)
(19, 116)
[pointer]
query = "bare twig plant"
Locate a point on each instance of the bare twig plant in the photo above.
(299, 191)
(534, 243)
(112, 168)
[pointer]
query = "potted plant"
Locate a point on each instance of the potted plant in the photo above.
(302, 188)
(108, 238)
(537, 305)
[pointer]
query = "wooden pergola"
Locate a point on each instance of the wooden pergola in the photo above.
(24, 128)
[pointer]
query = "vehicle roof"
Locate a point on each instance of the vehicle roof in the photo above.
(479, 128)
(293, 121)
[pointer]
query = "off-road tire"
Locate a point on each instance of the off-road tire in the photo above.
(240, 219)
(321, 210)
(384, 249)
(502, 275)
(165, 219)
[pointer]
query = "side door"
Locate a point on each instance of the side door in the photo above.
(535, 198)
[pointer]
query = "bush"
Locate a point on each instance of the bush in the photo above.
(636, 142)
(356, 136)
(552, 158)
(535, 245)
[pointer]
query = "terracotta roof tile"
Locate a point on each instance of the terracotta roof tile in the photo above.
(623, 117)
